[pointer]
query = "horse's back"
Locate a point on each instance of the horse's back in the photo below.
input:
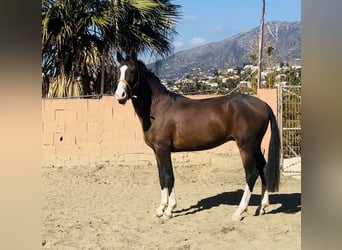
(240, 104)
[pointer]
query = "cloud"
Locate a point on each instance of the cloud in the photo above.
(177, 45)
(216, 29)
(191, 18)
(197, 41)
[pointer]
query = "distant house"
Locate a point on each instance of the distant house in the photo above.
(264, 75)
(212, 84)
(232, 71)
(224, 79)
(246, 84)
(251, 67)
(281, 77)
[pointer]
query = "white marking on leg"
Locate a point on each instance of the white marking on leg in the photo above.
(243, 204)
(121, 90)
(163, 203)
(172, 203)
(264, 200)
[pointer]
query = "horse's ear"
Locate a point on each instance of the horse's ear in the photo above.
(119, 57)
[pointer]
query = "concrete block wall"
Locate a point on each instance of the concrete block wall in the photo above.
(98, 129)
(89, 128)
(270, 97)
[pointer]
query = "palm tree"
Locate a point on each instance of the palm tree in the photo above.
(144, 25)
(79, 38)
(71, 44)
(141, 26)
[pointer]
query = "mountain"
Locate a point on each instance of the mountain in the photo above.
(284, 37)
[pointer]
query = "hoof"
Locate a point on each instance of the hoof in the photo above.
(261, 210)
(168, 211)
(236, 217)
(168, 215)
(159, 213)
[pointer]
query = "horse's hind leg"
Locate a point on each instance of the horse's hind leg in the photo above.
(251, 173)
(166, 178)
(261, 162)
(264, 201)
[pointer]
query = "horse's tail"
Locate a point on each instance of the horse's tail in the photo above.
(272, 174)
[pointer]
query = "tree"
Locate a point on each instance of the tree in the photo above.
(269, 50)
(145, 26)
(69, 44)
(253, 58)
(79, 38)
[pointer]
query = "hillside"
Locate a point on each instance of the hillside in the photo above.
(284, 37)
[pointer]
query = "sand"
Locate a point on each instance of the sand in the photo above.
(110, 204)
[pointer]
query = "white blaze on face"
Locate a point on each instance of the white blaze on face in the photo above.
(121, 90)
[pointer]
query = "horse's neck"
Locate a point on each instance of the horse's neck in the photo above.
(147, 99)
(143, 109)
(150, 86)
(155, 86)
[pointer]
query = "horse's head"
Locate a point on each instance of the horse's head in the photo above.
(128, 78)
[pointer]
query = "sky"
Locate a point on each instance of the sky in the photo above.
(204, 21)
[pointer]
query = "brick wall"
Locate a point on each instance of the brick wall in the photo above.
(93, 129)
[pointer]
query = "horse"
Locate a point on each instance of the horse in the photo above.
(174, 123)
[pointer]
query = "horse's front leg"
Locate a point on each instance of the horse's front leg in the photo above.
(166, 179)
(163, 203)
(172, 203)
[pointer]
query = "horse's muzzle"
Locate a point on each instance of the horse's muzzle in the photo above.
(122, 101)
(121, 93)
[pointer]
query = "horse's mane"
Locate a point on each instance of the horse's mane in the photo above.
(149, 74)
(146, 71)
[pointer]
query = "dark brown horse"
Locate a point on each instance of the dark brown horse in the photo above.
(174, 123)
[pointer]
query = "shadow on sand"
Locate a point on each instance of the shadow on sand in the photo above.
(290, 203)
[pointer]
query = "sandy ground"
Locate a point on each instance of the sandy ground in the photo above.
(111, 205)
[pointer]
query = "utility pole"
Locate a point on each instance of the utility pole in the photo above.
(102, 72)
(261, 41)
